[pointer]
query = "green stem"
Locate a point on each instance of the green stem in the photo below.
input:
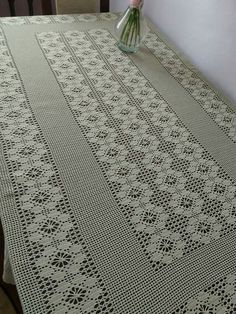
(126, 25)
(130, 23)
(138, 26)
(132, 35)
(131, 31)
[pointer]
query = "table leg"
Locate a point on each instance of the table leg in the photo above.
(31, 7)
(46, 7)
(12, 7)
(104, 5)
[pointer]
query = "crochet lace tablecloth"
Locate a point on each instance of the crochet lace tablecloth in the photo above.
(118, 191)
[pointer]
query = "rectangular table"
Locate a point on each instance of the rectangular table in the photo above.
(118, 190)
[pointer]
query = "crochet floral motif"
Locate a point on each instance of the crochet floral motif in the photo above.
(208, 99)
(219, 298)
(166, 184)
(67, 278)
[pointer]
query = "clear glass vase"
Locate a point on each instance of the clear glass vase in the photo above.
(131, 29)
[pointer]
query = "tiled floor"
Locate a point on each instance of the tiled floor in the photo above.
(5, 304)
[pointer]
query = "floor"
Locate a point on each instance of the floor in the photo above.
(5, 305)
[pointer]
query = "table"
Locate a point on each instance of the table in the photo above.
(204, 30)
(117, 172)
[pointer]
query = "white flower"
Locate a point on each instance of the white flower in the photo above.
(204, 228)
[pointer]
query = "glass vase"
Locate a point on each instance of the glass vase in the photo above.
(131, 28)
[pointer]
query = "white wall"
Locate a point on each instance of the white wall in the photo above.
(204, 29)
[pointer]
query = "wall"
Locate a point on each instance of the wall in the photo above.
(203, 29)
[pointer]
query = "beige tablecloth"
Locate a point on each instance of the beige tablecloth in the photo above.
(118, 172)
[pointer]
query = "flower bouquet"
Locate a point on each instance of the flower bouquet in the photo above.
(131, 28)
